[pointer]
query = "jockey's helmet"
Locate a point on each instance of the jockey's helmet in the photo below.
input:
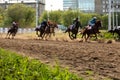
(95, 17)
(77, 18)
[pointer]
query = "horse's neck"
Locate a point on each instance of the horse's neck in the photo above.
(77, 24)
(96, 25)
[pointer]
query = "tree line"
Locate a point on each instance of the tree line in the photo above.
(26, 15)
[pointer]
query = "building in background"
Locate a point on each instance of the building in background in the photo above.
(115, 5)
(82, 5)
(86, 6)
(69, 4)
(91, 6)
(98, 6)
(32, 3)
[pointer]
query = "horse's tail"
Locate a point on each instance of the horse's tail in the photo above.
(83, 31)
(67, 30)
(10, 30)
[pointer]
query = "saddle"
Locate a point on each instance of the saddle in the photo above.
(72, 26)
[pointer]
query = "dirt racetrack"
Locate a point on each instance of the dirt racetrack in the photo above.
(93, 60)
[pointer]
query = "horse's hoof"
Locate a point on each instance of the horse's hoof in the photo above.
(81, 41)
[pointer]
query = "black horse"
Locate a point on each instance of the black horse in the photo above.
(41, 29)
(73, 31)
(117, 31)
(94, 30)
(12, 32)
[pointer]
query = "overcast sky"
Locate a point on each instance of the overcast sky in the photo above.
(54, 5)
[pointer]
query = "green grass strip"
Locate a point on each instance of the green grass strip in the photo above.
(17, 67)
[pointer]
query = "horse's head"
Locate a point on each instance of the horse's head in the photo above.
(37, 29)
(98, 24)
(55, 25)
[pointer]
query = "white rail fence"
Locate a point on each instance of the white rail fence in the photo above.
(20, 30)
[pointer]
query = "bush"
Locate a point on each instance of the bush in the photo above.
(16, 67)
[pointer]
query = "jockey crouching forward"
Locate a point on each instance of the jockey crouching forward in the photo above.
(48, 26)
(43, 24)
(91, 23)
(15, 25)
(74, 23)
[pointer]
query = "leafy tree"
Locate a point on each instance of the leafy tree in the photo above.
(1, 16)
(105, 21)
(68, 16)
(20, 13)
(54, 16)
(44, 16)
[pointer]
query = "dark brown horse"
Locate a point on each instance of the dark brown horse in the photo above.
(94, 30)
(46, 30)
(12, 32)
(73, 31)
(50, 29)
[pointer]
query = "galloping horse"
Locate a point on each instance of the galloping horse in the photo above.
(37, 29)
(94, 30)
(41, 29)
(73, 31)
(117, 31)
(44, 31)
(12, 31)
(50, 29)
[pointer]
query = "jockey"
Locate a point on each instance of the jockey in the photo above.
(92, 22)
(74, 23)
(44, 23)
(48, 25)
(14, 25)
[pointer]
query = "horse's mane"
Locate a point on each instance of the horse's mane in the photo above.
(98, 22)
(52, 23)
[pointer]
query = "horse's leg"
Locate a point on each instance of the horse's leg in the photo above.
(43, 35)
(37, 33)
(75, 36)
(7, 34)
(13, 34)
(69, 34)
(88, 35)
(49, 35)
(83, 35)
(53, 31)
(66, 31)
(96, 36)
